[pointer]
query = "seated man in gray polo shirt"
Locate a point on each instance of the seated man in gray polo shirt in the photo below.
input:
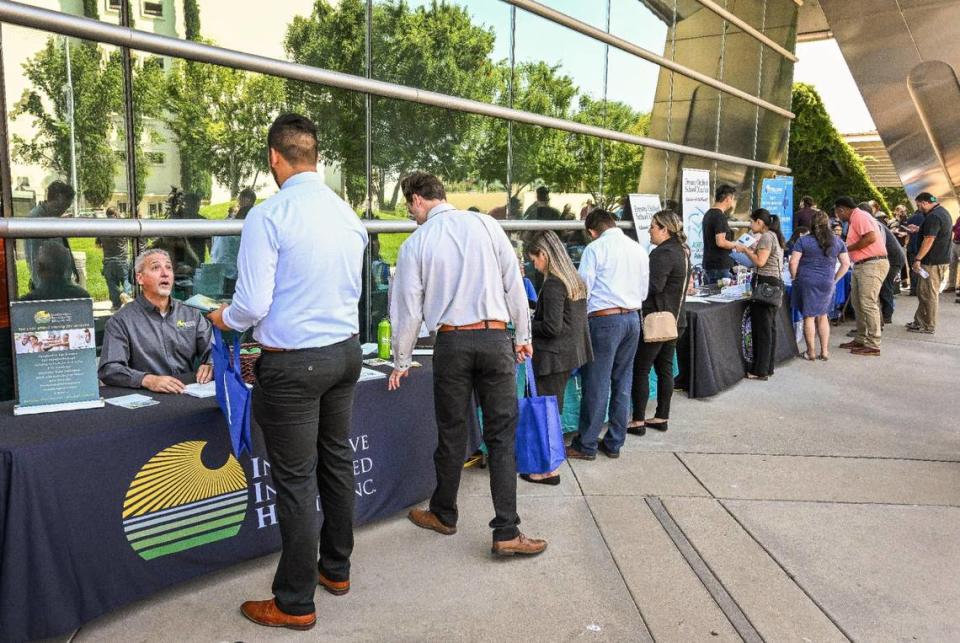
(151, 341)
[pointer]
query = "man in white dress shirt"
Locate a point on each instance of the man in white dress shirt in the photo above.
(616, 270)
(459, 274)
(298, 285)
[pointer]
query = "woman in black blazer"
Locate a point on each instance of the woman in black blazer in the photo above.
(669, 276)
(561, 339)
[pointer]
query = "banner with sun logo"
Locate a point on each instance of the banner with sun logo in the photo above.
(176, 503)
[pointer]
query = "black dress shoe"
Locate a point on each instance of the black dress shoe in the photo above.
(552, 480)
(637, 430)
(602, 448)
(657, 426)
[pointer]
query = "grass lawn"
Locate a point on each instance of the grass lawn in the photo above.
(390, 243)
(96, 284)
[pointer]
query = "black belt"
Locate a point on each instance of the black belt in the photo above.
(868, 260)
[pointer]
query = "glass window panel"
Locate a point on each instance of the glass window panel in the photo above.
(467, 152)
(67, 147)
(642, 23)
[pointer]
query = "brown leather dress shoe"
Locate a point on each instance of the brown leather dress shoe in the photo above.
(267, 613)
(866, 351)
(520, 545)
(851, 345)
(428, 520)
(335, 587)
(577, 454)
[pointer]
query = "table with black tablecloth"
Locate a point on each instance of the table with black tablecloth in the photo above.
(100, 508)
(714, 352)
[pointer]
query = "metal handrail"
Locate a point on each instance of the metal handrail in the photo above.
(40, 228)
(89, 29)
(45, 228)
(586, 29)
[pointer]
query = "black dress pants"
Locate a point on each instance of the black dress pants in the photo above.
(465, 362)
(553, 384)
(763, 319)
(659, 355)
(887, 293)
(302, 401)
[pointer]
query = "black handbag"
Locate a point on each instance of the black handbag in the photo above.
(769, 294)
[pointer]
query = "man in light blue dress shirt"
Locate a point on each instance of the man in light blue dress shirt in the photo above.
(616, 270)
(298, 286)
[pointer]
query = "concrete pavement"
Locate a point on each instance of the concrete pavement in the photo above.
(822, 505)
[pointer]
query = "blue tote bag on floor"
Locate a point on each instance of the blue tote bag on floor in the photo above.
(539, 447)
(232, 392)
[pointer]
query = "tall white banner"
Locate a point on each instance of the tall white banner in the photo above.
(696, 202)
(643, 207)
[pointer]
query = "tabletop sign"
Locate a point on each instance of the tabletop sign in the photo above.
(643, 207)
(696, 202)
(56, 355)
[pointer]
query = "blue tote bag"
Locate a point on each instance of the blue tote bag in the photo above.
(232, 392)
(539, 447)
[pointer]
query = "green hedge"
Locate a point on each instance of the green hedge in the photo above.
(824, 165)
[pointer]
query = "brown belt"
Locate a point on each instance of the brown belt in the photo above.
(487, 324)
(611, 311)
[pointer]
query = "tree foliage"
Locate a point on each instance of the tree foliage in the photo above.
(824, 165)
(191, 19)
(98, 96)
(219, 117)
(434, 47)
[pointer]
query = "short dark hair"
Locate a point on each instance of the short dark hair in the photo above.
(599, 220)
(807, 202)
(542, 192)
(53, 259)
(723, 191)
(247, 194)
(926, 197)
(295, 138)
(845, 202)
(58, 189)
(426, 185)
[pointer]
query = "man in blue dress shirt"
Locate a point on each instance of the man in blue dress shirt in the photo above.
(298, 286)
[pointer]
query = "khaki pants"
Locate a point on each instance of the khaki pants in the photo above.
(928, 296)
(865, 296)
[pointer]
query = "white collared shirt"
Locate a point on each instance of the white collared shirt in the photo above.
(616, 270)
(458, 268)
(299, 267)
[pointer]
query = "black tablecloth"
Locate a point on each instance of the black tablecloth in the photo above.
(715, 351)
(69, 482)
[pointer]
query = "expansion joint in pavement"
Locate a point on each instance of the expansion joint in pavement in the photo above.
(786, 571)
(740, 622)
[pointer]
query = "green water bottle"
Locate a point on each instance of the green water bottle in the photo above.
(384, 333)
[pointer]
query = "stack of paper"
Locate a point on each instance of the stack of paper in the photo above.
(201, 390)
(132, 401)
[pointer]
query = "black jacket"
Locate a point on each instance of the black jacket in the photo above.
(668, 286)
(561, 339)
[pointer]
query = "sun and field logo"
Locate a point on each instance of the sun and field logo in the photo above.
(176, 503)
(42, 317)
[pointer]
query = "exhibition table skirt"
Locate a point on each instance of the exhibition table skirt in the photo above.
(717, 348)
(100, 508)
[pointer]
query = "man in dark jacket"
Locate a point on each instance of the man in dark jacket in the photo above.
(889, 289)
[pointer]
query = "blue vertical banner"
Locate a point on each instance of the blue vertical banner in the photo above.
(776, 196)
